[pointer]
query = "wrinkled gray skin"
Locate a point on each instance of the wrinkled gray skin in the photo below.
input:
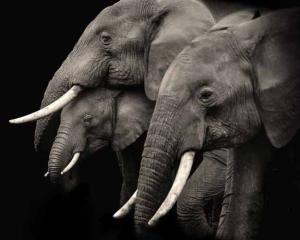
(235, 87)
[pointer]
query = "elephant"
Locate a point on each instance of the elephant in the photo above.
(99, 118)
(234, 87)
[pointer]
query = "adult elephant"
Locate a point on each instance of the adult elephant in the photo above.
(234, 87)
(129, 43)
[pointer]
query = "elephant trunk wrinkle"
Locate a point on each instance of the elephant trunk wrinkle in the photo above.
(57, 157)
(157, 162)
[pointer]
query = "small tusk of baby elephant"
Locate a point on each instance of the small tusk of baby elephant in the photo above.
(46, 174)
(71, 164)
(51, 108)
(123, 211)
(182, 175)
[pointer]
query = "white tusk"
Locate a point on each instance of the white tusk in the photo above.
(182, 175)
(72, 163)
(46, 174)
(123, 211)
(51, 108)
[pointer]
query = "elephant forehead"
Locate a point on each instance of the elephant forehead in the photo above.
(212, 48)
(128, 9)
(203, 62)
(185, 71)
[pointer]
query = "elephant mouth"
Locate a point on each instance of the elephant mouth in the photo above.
(71, 164)
(69, 180)
(98, 144)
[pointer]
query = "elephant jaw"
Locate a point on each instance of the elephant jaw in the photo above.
(181, 178)
(69, 181)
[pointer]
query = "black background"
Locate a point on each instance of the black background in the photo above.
(37, 37)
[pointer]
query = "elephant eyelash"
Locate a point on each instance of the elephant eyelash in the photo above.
(106, 39)
(87, 118)
(205, 96)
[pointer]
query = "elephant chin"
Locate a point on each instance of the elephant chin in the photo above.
(69, 181)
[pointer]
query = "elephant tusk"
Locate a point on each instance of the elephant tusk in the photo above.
(46, 174)
(123, 211)
(182, 175)
(72, 163)
(51, 108)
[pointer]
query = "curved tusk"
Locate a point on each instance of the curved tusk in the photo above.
(46, 174)
(72, 163)
(51, 108)
(182, 175)
(123, 211)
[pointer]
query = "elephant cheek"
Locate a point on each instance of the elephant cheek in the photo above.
(69, 181)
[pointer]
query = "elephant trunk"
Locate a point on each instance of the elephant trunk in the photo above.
(44, 130)
(76, 74)
(60, 153)
(157, 162)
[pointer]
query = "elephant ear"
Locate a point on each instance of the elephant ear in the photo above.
(274, 42)
(236, 18)
(134, 113)
(178, 22)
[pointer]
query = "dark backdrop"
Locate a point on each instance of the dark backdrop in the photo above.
(37, 38)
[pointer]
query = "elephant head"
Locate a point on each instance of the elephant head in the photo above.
(96, 119)
(221, 91)
(129, 43)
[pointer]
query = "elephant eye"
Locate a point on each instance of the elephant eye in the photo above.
(205, 95)
(106, 38)
(87, 119)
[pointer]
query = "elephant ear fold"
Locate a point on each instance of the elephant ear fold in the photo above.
(176, 24)
(275, 56)
(236, 18)
(134, 112)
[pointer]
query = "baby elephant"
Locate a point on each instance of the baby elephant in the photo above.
(96, 119)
